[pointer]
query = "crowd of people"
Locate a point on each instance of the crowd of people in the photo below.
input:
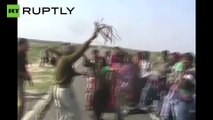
(165, 86)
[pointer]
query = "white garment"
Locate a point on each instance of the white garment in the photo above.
(66, 104)
(108, 60)
(145, 68)
(43, 53)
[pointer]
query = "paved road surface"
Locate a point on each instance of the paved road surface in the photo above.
(80, 87)
(31, 100)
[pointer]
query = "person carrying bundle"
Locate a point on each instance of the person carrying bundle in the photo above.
(64, 96)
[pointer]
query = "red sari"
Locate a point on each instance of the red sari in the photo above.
(121, 82)
(91, 86)
(114, 88)
(91, 81)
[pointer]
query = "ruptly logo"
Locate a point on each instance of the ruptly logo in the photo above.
(13, 11)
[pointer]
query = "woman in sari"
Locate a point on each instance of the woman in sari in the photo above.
(102, 91)
(93, 66)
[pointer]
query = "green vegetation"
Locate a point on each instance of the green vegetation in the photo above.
(42, 79)
(36, 47)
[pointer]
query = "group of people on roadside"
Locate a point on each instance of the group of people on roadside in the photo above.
(165, 86)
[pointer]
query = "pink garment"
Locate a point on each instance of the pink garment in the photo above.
(114, 90)
(115, 59)
(91, 86)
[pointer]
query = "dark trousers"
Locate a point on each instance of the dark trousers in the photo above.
(46, 59)
(20, 98)
(140, 84)
(53, 61)
(119, 114)
(100, 102)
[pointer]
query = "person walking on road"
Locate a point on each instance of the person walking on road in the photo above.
(23, 74)
(64, 97)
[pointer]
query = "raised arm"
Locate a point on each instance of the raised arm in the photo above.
(79, 52)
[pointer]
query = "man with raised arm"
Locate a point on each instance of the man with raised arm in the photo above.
(64, 97)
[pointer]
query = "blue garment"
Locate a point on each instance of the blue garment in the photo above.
(168, 109)
(183, 110)
(148, 95)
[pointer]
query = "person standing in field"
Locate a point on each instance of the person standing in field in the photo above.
(23, 74)
(64, 96)
(44, 54)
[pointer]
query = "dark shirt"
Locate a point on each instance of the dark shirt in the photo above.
(93, 65)
(102, 79)
(64, 70)
(22, 62)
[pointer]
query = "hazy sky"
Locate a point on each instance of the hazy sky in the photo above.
(142, 24)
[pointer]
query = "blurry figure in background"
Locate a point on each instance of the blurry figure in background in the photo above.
(93, 66)
(185, 108)
(108, 57)
(117, 51)
(105, 94)
(165, 72)
(116, 60)
(176, 73)
(53, 60)
(138, 82)
(102, 90)
(169, 111)
(163, 69)
(64, 97)
(54, 57)
(174, 58)
(148, 95)
(127, 77)
(115, 79)
(144, 67)
(130, 73)
(163, 65)
(154, 83)
(128, 58)
(44, 55)
(134, 95)
(28, 61)
(149, 84)
(149, 92)
(23, 73)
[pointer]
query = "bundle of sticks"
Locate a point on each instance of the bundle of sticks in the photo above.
(108, 32)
